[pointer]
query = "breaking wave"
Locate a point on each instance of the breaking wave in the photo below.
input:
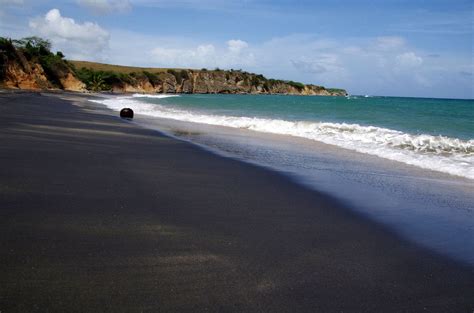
(140, 95)
(439, 153)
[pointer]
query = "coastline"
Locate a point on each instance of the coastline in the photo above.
(99, 215)
(429, 208)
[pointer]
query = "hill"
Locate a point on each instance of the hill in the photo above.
(28, 63)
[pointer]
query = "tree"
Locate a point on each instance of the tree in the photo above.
(34, 45)
(97, 82)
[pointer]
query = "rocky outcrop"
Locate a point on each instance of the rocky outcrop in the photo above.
(29, 63)
(71, 83)
(18, 72)
(32, 77)
(219, 82)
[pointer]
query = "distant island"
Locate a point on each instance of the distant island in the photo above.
(29, 63)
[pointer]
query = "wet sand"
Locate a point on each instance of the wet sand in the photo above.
(100, 215)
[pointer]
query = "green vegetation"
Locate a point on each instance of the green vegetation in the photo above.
(6, 47)
(179, 75)
(154, 79)
(116, 68)
(33, 46)
(336, 90)
(30, 51)
(97, 80)
(7, 52)
(35, 50)
(297, 85)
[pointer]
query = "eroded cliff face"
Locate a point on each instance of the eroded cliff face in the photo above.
(220, 82)
(71, 83)
(30, 77)
(19, 73)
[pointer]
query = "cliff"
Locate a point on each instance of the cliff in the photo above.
(153, 80)
(29, 64)
(35, 68)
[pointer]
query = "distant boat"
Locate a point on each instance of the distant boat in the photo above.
(366, 96)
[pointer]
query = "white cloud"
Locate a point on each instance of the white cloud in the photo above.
(320, 64)
(409, 60)
(205, 55)
(236, 46)
(363, 66)
(105, 6)
(389, 43)
(181, 57)
(75, 39)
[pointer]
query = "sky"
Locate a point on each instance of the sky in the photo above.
(419, 48)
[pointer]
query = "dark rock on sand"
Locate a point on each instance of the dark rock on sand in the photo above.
(126, 113)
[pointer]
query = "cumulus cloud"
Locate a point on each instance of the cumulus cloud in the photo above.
(76, 39)
(202, 54)
(205, 55)
(319, 64)
(389, 43)
(377, 66)
(409, 59)
(105, 6)
(236, 46)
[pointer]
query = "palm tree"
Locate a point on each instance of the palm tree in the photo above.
(97, 82)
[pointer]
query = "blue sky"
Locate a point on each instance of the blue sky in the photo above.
(391, 47)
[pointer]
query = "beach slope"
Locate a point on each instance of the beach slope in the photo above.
(100, 215)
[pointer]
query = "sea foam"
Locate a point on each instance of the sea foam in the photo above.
(140, 95)
(449, 155)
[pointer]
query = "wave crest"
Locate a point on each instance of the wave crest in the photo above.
(439, 153)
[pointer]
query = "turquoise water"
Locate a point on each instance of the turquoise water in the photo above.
(434, 134)
(451, 118)
(425, 195)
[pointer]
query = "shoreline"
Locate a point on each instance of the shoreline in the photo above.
(118, 212)
(419, 149)
(377, 197)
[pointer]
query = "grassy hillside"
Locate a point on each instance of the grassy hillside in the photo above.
(27, 61)
(115, 68)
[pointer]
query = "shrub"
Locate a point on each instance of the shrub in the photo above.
(297, 85)
(336, 90)
(179, 75)
(33, 47)
(153, 78)
(97, 82)
(54, 67)
(254, 81)
(267, 86)
(6, 47)
(7, 52)
(105, 80)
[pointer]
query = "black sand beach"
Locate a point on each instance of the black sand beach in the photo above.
(100, 215)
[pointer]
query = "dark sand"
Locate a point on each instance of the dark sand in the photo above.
(99, 215)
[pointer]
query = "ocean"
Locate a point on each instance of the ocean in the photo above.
(407, 163)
